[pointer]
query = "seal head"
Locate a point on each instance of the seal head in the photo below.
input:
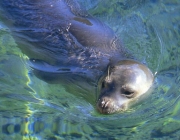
(125, 81)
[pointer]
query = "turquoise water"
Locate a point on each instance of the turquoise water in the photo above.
(31, 109)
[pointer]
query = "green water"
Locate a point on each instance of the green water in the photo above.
(31, 109)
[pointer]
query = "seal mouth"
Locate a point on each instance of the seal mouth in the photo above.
(108, 106)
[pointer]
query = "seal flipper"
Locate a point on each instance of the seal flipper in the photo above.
(56, 74)
(43, 66)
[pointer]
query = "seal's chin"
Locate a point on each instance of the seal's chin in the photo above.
(106, 105)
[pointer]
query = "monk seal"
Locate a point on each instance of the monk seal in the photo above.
(124, 81)
(61, 38)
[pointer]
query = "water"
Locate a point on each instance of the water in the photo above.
(31, 109)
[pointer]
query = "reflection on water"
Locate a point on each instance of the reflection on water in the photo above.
(33, 109)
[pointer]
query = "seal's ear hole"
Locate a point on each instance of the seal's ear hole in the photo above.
(103, 85)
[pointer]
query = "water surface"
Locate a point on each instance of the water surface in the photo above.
(33, 109)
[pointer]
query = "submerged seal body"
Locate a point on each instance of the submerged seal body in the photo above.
(61, 38)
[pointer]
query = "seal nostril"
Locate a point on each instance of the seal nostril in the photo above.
(105, 105)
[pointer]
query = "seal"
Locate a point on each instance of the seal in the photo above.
(124, 82)
(61, 38)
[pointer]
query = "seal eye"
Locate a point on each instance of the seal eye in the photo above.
(127, 92)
